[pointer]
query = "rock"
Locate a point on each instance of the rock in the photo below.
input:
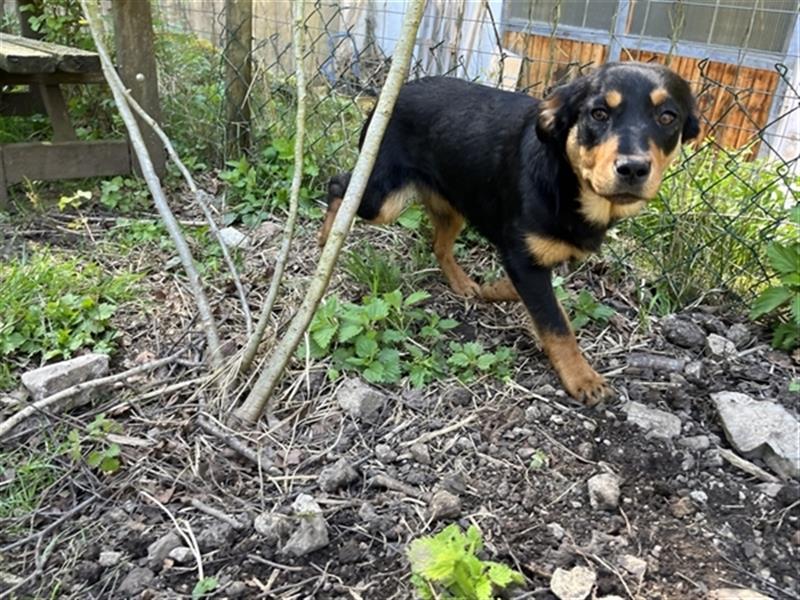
(695, 371)
(272, 527)
(720, 347)
(575, 584)
(682, 507)
(769, 489)
(385, 454)
(656, 422)
(160, 549)
(214, 536)
(234, 238)
(556, 530)
(739, 334)
(50, 379)
(697, 443)
(444, 505)
(796, 537)
(604, 491)
(109, 558)
(135, 582)
(181, 555)
(360, 401)
(633, 565)
(682, 332)
(267, 230)
(698, 496)
(735, 594)
(337, 475)
(87, 572)
(419, 453)
(761, 427)
(312, 531)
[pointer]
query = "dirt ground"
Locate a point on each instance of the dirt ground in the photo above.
(517, 455)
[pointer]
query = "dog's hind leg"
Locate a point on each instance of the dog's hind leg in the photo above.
(502, 290)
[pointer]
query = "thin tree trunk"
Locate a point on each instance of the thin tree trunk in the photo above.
(153, 183)
(294, 196)
(259, 396)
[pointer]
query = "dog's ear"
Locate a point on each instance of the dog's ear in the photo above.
(559, 111)
(691, 127)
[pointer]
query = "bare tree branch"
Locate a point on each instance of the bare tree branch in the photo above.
(149, 174)
(294, 196)
(259, 396)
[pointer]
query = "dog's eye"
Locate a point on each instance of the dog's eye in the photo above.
(667, 117)
(600, 114)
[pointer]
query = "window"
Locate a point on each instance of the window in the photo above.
(590, 14)
(752, 24)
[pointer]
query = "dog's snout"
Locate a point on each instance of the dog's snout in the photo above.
(633, 170)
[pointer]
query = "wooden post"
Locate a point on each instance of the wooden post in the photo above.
(238, 75)
(133, 36)
(35, 9)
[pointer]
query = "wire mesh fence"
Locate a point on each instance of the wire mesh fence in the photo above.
(710, 226)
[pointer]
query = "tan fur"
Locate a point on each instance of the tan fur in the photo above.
(394, 204)
(501, 290)
(658, 96)
(547, 112)
(330, 215)
(578, 377)
(613, 99)
(660, 162)
(549, 251)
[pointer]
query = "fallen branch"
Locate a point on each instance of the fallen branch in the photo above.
(294, 196)
(746, 466)
(38, 406)
(153, 183)
(257, 400)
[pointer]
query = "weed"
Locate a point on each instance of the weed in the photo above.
(124, 194)
(446, 566)
(52, 306)
(30, 476)
(373, 269)
(204, 586)
(584, 308)
(95, 447)
(471, 361)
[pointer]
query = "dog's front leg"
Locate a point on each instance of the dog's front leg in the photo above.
(534, 284)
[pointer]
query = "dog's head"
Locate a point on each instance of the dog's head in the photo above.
(620, 127)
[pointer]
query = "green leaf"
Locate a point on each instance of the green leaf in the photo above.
(485, 361)
(203, 587)
(416, 298)
(483, 589)
(784, 259)
(502, 575)
(390, 359)
(786, 336)
(323, 336)
(348, 331)
(447, 324)
(375, 373)
(394, 299)
(109, 465)
(94, 459)
(795, 308)
(769, 300)
(366, 346)
(459, 359)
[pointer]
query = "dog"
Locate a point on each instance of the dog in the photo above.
(542, 180)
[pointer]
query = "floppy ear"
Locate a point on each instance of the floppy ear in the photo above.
(691, 128)
(559, 111)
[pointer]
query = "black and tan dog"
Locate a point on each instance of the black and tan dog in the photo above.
(542, 180)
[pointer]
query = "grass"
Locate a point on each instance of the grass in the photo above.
(30, 477)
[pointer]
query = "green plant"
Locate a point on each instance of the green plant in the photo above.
(373, 269)
(446, 566)
(781, 302)
(204, 586)
(95, 447)
(59, 21)
(583, 307)
(124, 194)
(53, 306)
(31, 476)
(470, 361)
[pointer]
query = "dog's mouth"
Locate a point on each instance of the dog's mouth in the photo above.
(624, 198)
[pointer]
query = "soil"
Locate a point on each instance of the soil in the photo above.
(517, 454)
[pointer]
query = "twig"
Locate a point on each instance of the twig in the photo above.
(257, 400)
(426, 437)
(390, 483)
(254, 340)
(217, 514)
(40, 534)
(17, 418)
(746, 466)
(159, 199)
(254, 457)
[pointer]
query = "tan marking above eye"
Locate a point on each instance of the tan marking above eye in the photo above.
(549, 251)
(613, 99)
(658, 96)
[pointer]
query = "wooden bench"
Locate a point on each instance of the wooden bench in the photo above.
(43, 68)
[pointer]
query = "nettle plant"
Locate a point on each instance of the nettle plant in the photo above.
(388, 337)
(446, 566)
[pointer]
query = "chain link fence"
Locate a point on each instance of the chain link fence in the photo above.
(727, 199)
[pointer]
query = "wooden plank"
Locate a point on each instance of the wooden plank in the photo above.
(49, 78)
(56, 109)
(15, 58)
(65, 160)
(69, 60)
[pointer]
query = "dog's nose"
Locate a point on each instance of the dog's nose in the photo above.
(632, 170)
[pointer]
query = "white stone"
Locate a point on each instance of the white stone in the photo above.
(658, 423)
(573, 584)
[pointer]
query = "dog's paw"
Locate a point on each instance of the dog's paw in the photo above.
(587, 386)
(466, 287)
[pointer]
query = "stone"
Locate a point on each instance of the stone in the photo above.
(697, 443)
(337, 475)
(735, 594)
(234, 238)
(770, 490)
(739, 334)
(360, 401)
(135, 582)
(573, 584)
(658, 423)
(214, 536)
(720, 347)
(50, 379)
(419, 452)
(698, 496)
(604, 491)
(109, 558)
(385, 453)
(682, 332)
(556, 530)
(682, 507)
(695, 371)
(181, 555)
(763, 428)
(444, 505)
(311, 532)
(160, 549)
(633, 565)
(272, 527)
